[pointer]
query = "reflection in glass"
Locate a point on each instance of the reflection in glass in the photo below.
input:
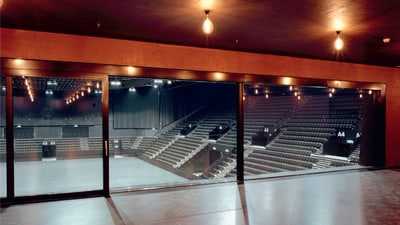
(166, 132)
(57, 135)
(3, 155)
(299, 128)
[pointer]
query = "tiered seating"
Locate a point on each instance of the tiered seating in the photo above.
(2, 146)
(303, 134)
(95, 143)
(355, 155)
(224, 168)
(28, 145)
(158, 145)
(292, 159)
(229, 139)
(181, 150)
(68, 144)
(260, 112)
(127, 142)
(145, 142)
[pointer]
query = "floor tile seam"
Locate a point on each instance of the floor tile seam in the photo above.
(206, 213)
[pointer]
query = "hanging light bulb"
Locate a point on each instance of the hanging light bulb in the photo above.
(338, 42)
(208, 26)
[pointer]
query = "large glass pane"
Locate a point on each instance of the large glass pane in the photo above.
(3, 173)
(165, 132)
(57, 135)
(291, 128)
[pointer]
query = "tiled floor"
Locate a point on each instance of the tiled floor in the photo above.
(352, 197)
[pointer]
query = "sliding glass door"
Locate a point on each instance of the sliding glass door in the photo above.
(57, 135)
(3, 154)
(289, 128)
(167, 132)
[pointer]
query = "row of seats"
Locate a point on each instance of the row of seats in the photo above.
(284, 154)
(299, 150)
(291, 161)
(299, 143)
(320, 120)
(274, 164)
(321, 125)
(308, 134)
(286, 136)
(251, 168)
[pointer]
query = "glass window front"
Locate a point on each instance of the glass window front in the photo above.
(57, 135)
(3, 155)
(292, 128)
(165, 132)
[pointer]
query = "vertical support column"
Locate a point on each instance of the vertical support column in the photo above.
(106, 152)
(10, 139)
(240, 135)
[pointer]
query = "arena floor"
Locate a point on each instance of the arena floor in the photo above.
(60, 176)
(356, 197)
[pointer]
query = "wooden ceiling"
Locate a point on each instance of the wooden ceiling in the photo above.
(304, 28)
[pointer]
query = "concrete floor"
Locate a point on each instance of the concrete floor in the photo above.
(61, 176)
(345, 198)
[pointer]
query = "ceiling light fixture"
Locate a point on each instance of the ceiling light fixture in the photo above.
(338, 42)
(386, 40)
(208, 26)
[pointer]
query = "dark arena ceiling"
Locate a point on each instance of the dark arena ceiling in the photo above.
(304, 28)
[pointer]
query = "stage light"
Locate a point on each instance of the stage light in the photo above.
(115, 83)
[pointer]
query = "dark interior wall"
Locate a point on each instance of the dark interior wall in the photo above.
(135, 109)
(47, 132)
(2, 133)
(54, 111)
(179, 102)
(2, 109)
(72, 132)
(150, 107)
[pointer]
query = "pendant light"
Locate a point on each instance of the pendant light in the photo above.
(208, 26)
(338, 42)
